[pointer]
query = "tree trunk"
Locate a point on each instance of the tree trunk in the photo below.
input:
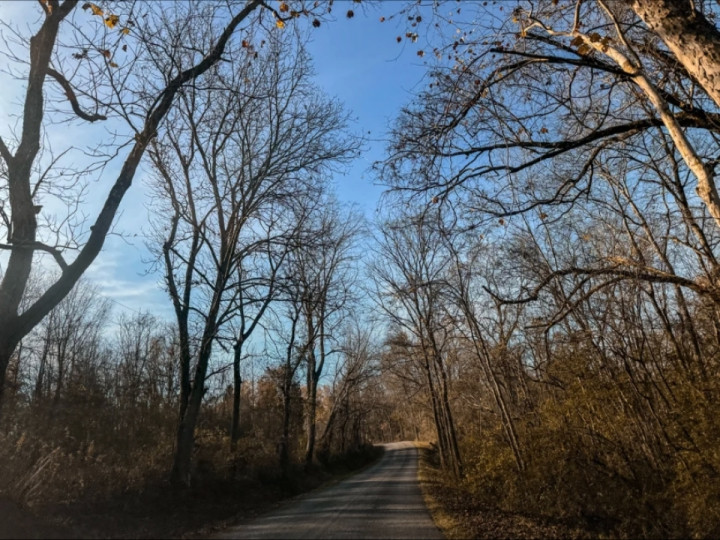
(439, 429)
(311, 405)
(61, 357)
(182, 460)
(190, 411)
(285, 440)
(6, 351)
(693, 39)
(454, 449)
(40, 382)
(237, 386)
(311, 427)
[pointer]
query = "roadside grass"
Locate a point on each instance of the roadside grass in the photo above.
(459, 515)
(158, 510)
(431, 485)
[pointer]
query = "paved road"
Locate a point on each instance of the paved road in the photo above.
(383, 501)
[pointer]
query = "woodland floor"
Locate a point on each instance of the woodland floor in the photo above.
(459, 515)
(162, 512)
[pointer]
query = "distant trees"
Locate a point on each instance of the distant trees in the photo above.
(68, 343)
(410, 273)
(324, 272)
(91, 393)
(352, 407)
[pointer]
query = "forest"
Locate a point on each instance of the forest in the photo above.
(538, 294)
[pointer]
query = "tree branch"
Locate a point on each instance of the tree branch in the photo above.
(648, 274)
(98, 231)
(70, 93)
(5, 152)
(39, 246)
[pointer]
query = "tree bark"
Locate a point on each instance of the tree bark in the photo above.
(182, 460)
(693, 39)
(311, 413)
(6, 350)
(285, 440)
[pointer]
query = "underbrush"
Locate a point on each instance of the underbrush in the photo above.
(610, 462)
(61, 488)
(461, 514)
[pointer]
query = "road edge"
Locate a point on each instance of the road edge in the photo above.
(451, 528)
(212, 530)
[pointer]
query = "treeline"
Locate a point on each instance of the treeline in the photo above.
(92, 399)
(605, 414)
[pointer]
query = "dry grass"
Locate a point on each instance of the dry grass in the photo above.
(458, 515)
(429, 478)
(157, 510)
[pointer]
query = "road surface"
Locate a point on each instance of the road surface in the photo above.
(384, 501)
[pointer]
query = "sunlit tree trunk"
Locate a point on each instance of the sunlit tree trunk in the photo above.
(693, 39)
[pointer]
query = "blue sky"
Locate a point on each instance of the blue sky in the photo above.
(357, 60)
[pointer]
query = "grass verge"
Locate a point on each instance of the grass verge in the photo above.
(431, 479)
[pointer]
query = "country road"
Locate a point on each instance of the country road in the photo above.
(384, 501)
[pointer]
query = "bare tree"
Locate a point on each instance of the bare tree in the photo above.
(239, 157)
(410, 274)
(285, 335)
(323, 270)
(525, 126)
(350, 409)
(86, 69)
(256, 289)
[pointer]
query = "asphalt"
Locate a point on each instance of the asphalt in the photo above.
(383, 501)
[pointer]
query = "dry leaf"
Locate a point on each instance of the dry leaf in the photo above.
(92, 7)
(111, 21)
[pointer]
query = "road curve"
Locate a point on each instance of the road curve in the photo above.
(384, 501)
